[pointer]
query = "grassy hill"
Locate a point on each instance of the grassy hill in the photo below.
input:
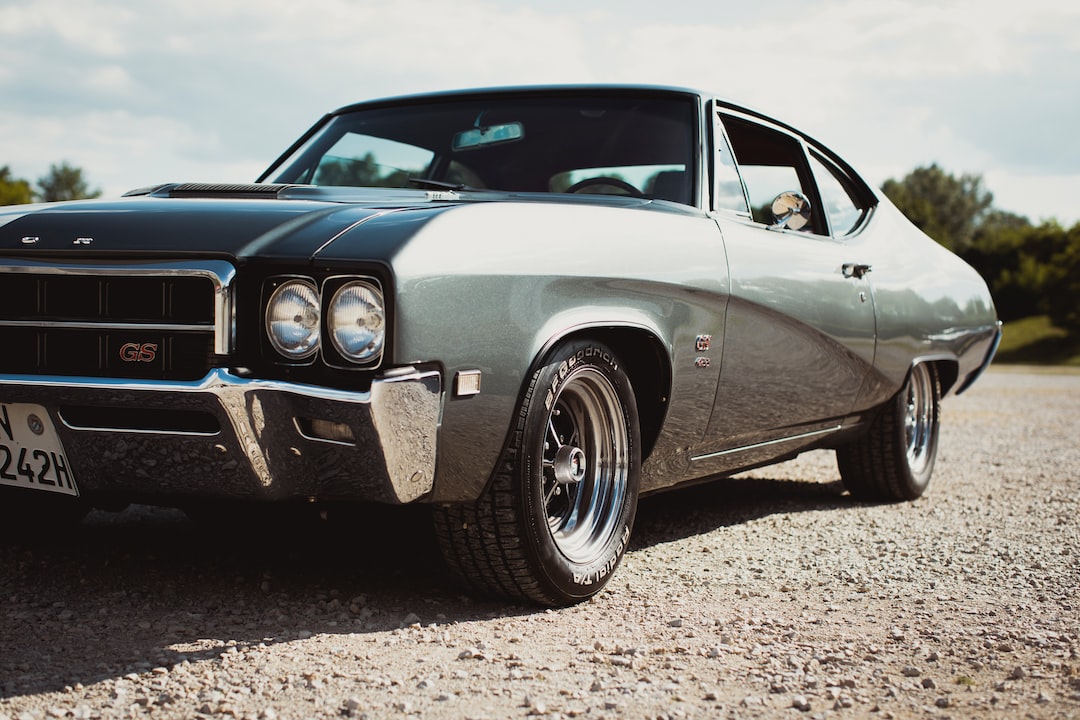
(1034, 341)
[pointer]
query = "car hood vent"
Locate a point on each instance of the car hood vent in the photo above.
(226, 190)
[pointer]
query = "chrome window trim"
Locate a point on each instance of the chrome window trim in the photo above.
(219, 272)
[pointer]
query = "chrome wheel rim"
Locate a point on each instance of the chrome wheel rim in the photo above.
(919, 419)
(586, 465)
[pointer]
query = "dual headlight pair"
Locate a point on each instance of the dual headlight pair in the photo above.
(355, 319)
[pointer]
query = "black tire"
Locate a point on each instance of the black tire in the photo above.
(895, 459)
(557, 517)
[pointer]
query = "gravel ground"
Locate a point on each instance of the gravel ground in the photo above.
(768, 595)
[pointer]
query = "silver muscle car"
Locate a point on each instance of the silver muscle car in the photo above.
(523, 307)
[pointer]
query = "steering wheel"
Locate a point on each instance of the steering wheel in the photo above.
(603, 180)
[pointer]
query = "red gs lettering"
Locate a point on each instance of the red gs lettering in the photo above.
(138, 352)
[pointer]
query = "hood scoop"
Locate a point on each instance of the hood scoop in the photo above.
(245, 191)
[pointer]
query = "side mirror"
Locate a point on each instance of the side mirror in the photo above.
(790, 210)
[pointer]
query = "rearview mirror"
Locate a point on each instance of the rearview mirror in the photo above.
(490, 135)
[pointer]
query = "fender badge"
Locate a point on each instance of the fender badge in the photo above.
(30, 240)
(83, 241)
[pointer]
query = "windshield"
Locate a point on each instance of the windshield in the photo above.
(617, 145)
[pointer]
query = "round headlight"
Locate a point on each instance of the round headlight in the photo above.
(357, 321)
(292, 319)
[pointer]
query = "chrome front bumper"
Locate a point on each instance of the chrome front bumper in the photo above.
(230, 437)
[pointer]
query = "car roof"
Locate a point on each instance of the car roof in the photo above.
(525, 90)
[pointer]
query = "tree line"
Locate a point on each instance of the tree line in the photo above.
(1031, 269)
(62, 182)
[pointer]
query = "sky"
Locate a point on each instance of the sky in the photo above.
(214, 90)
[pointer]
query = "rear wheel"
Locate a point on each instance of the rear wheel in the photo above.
(895, 459)
(557, 517)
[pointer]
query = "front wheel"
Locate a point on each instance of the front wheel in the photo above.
(895, 459)
(557, 518)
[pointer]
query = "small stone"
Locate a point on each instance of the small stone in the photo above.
(799, 702)
(929, 683)
(943, 702)
(911, 671)
(1017, 673)
(676, 623)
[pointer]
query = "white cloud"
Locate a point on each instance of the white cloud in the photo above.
(96, 28)
(203, 87)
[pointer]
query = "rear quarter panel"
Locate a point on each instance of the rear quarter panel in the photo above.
(929, 303)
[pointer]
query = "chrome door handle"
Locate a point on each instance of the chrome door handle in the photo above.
(855, 270)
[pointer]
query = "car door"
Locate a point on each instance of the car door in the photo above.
(800, 337)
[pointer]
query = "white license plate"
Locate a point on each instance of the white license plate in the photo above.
(31, 455)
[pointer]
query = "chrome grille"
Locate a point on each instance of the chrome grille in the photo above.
(165, 321)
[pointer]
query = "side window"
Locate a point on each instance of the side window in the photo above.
(728, 193)
(843, 211)
(771, 162)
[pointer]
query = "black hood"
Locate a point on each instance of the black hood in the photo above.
(234, 221)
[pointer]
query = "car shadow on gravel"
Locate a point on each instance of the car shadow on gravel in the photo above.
(149, 588)
(729, 501)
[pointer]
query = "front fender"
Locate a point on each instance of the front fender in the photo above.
(491, 287)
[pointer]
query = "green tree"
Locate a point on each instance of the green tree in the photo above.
(1062, 288)
(1031, 269)
(64, 182)
(1002, 245)
(947, 208)
(13, 191)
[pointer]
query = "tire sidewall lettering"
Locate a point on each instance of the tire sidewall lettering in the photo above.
(566, 367)
(570, 578)
(601, 570)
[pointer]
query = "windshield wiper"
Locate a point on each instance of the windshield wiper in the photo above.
(438, 184)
